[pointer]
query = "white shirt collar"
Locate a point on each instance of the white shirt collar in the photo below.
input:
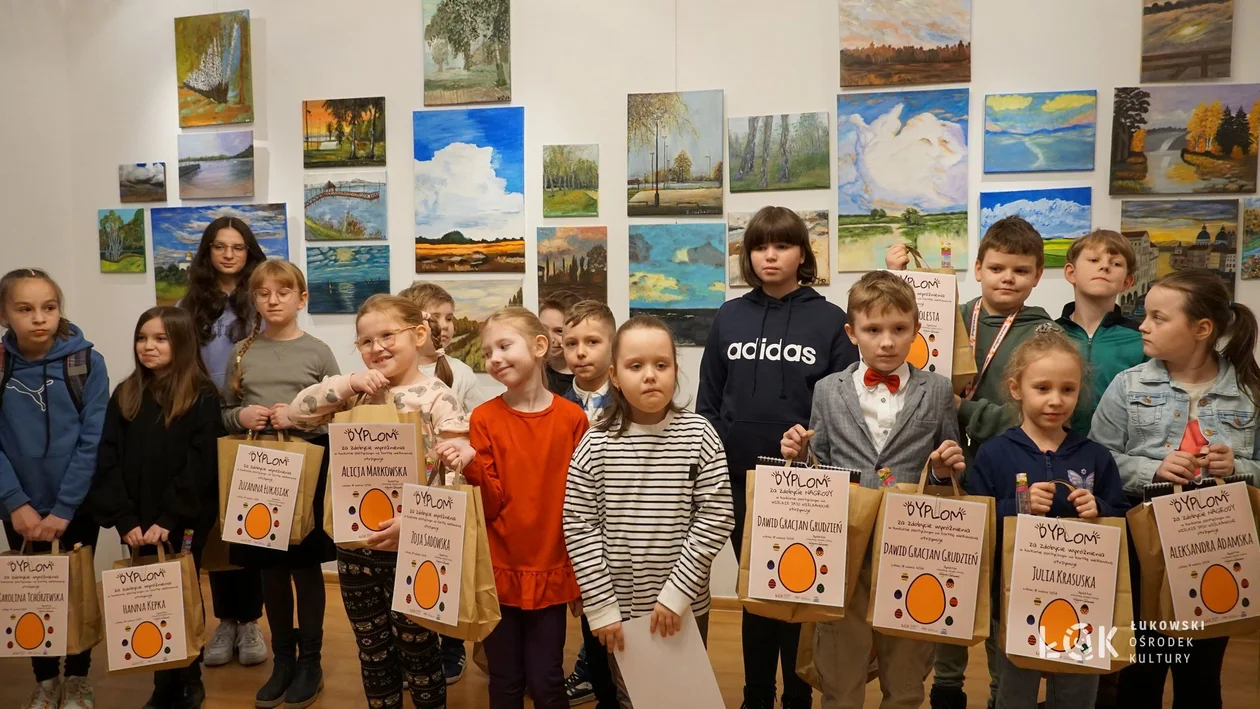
(586, 395)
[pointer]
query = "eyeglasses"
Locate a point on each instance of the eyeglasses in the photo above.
(284, 295)
(386, 339)
(222, 248)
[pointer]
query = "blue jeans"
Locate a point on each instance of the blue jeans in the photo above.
(1018, 688)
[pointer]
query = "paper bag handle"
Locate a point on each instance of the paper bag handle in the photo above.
(923, 479)
(56, 546)
(1215, 480)
(811, 460)
(161, 551)
(281, 435)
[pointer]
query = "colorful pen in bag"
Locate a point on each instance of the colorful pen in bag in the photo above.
(1022, 499)
(187, 545)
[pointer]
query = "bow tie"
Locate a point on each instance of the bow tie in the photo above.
(873, 378)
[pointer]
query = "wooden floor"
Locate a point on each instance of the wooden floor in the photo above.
(233, 686)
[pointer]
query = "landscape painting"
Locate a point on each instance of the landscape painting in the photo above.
(343, 132)
(674, 158)
(891, 42)
(1183, 40)
(467, 51)
(1060, 215)
(794, 153)
(677, 274)
(1251, 239)
(1040, 132)
(476, 300)
(213, 73)
(346, 206)
(902, 177)
(214, 165)
(177, 234)
(340, 278)
(142, 182)
(819, 223)
(469, 190)
(121, 236)
(573, 259)
(1197, 139)
(1182, 234)
(570, 180)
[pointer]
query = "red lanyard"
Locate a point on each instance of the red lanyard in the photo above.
(997, 342)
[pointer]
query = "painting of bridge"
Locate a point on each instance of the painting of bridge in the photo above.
(346, 206)
(213, 69)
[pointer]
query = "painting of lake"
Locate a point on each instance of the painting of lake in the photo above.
(345, 206)
(214, 165)
(340, 278)
(1040, 132)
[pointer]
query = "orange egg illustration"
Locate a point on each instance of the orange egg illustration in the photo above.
(918, 356)
(146, 641)
(1219, 589)
(1056, 625)
(925, 599)
(796, 568)
(428, 586)
(29, 632)
(258, 521)
(375, 508)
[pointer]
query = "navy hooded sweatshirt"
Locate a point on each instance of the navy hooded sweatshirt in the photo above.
(760, 364)
(48, 448)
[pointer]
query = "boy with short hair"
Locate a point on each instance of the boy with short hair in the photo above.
(878, 413)
(552, 311)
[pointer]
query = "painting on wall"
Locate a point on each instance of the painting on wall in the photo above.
(891, 42)
(1061, 215)
(142, 182)
(213, 69)
(476, 300)
(469, 190)
(1183, 40)
(1171, 235)
(120, 233)
(819, 223)
(1251, 239)
(677, 273)
(674, 158)
(467, 51)
(573, 259)
(793, 155)
(570, 180)
(1050, 131)
(340, 278)
(177, 234)
(343, 132)
(346, 206)
(902, 177)
(214, 165)
(1197, 139)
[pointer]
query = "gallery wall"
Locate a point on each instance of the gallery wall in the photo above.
(96, 88)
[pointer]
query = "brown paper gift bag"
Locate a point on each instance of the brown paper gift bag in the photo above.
(83, 611)
(964, 362)
(303, 515)
(194, 611)
(1157, 602)
(980, 626)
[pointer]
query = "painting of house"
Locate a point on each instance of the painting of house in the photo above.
(890, 42)
(794, 152)
(142, 182)
(1184, 234)
(1040, 132)
(677, 273)
(213, 69)
(340, 278)
(177, 235)
(467, 51)
(216, 165)
(674, 158)
(120, 233)
(818, 222)
(1061, 215)
(570, 180)
(343, 132)
(573, 259)
(1183, 40)
(346, 206)
(1251, 239)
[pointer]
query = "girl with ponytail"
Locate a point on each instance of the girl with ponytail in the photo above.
(439, 308)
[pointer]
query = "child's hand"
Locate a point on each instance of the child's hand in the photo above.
(280, 417)
(794, 441)
(575, 608)
(947, 460)
(368, 382)
(957, 401)
(155, 535)
(897, 257)
(1178, 467)
(1086, 504)
(50, 528)
(611, 637)
(254, 418)
(25, 521)
(387, 538)
(1041, 495)
(665, 620)
(1220, 460)
(456, 453)
(134, 538)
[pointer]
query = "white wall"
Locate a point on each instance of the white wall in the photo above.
(96, 89)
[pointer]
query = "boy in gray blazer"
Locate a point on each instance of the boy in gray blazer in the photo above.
(880, 413)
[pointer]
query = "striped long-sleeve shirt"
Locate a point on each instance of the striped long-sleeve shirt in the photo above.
(645, 513)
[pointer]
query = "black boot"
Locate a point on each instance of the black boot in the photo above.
(194, 692)
(797, 702)
(166, 689)
(948, 698)
(309, 680)
(283, 668)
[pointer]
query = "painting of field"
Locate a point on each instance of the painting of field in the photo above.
(1040, 132)
(1195, 139)
(573, 259)
(177, 234)
(570, 180)
(1060, 215)
(1184, 40)
(340, 278)
(1183, 234)
(891, 42)
(476, 300)
(469, 190)
(142, 182)
(1251, 239)
(467, 51)
(343, 132)
(120, 233)
(794, 152)
(902, 177)
(347, 206)
(676, 274)
(819, 223)
(215, 165)
(674, 154)
(213, 69)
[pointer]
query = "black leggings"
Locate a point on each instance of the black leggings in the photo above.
(237, 594)
(308, 585)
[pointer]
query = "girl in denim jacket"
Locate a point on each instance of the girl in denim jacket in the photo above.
(1188, 411)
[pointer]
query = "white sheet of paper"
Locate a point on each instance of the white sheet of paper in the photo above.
(667, 673)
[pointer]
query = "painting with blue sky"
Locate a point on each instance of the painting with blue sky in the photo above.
(469, 190)
(678, 274)
(675, 142)
(340, 278)
(214, 165)
(1061, 215)
(177, 234)
(347, 206)
(1040, 132)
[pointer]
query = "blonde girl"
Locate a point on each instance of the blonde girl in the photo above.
(438, 303)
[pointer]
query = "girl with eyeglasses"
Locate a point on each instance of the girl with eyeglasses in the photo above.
(265, 372)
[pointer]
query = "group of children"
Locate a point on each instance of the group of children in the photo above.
(603, 497)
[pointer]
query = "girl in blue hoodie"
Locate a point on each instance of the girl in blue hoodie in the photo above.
(52, 407)
(1044, 379)
(764, 354)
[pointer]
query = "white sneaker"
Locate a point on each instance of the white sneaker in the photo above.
(220, 648)
(77, 693)
(46, 696)
(250, 644)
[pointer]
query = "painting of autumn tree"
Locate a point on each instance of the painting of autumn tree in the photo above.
(897, 42)
(467, 51)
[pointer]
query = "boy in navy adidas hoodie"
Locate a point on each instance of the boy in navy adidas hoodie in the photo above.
(764, 354)
(52, 408)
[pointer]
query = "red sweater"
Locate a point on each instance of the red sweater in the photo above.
(521, 466)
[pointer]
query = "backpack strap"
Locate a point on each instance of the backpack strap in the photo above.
(4, 372)
(78, 366)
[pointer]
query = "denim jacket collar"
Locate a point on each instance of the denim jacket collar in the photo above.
(1154, 371)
